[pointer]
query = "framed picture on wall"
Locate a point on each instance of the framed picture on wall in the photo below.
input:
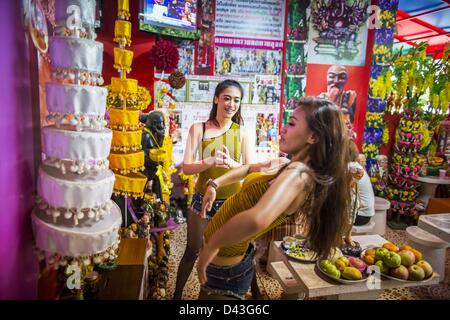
(202, 89)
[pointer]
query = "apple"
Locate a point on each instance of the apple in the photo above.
(392, 259)
(416, 273)
(357, 263)
(383, 268)
(380, 253)
(426, 267)
(408, 258)
(400, 272)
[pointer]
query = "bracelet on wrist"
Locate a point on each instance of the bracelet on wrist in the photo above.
(212, 184)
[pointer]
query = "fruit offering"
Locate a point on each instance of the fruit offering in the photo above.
(296, 252)
(297, 249)
(344, 269)
(402, 263)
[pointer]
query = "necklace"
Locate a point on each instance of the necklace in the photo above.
(153, 137)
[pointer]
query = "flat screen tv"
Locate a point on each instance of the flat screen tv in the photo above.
(177, 18)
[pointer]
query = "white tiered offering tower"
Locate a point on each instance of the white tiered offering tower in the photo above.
(75, 222)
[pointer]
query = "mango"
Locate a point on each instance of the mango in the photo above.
(417, 254)
(370, 252)
(369, 260)
(391, 247)
(405, 247)
(341, 263)
(351, 273)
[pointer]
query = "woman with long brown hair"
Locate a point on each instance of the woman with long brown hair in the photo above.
(314, 186)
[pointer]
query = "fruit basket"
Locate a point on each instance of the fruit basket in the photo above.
(346, 270)
(403, 263)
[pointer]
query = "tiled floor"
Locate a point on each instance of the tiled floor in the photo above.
(272, 290)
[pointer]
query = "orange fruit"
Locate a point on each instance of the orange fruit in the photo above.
(417, 254)
(370, 252)
(391, 247)
(405, 247)
(369, 260)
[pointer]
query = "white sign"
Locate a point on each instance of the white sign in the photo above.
(251, 24)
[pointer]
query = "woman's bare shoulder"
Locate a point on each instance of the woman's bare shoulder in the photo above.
(302, 170)
(196, 128)
(297, 165)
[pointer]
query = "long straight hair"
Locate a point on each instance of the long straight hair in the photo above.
(327, 217)
(237, 118)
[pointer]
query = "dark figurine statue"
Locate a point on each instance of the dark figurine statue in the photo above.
(152, 139)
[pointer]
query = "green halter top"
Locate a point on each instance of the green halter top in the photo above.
(231, 139)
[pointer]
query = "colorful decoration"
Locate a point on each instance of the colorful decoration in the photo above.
(379, 173)
(338, 23)
(158, 268)
(296, 54)
(177, 80)
(406, 164)
(164, 56)
(380, 88)
(417, 87)
(125, 99)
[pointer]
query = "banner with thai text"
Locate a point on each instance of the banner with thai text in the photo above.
(255, 24)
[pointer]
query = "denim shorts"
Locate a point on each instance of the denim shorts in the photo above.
(197, 200)
(232, 280)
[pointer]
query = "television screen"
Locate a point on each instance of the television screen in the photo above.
(170, 17)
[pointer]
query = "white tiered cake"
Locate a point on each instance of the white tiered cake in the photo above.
(75, 220)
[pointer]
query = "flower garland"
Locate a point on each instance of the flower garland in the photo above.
(137, 101)
(373, 135)
(401, 195)
(401, 207)
(376, 105)
(371, 150)
(374, 120)
(54, 260)
(382, 53)
(380, 88)
(388, 4)
(384, 36)
(387, 19)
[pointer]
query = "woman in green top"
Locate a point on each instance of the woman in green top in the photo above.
(314, 186)
(212, 149)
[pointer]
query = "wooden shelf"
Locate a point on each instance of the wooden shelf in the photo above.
(132, 251)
